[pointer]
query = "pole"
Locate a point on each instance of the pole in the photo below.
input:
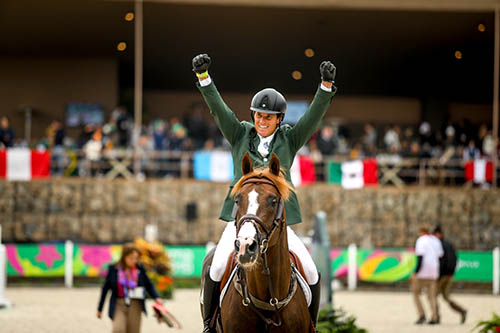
(4, 303)
(496, 271)
(68, 264)
(496, 74)
(138, 83)
(352, 268)
(320, 251)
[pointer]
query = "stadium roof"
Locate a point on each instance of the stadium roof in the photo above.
(440, 5)
(389, 51)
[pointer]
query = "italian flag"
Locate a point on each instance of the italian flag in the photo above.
(479, 171)
(353, 174)
(24, 164)
(302, 171)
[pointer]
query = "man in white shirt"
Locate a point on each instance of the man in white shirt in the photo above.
(428, 250)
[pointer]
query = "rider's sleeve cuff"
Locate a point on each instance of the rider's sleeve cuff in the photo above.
(325, 88)
(207, 81)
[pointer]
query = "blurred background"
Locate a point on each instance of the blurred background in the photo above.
(105, 138)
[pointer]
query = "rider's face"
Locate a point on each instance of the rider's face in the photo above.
(265, 123)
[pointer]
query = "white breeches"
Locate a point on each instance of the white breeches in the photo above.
(226, 246)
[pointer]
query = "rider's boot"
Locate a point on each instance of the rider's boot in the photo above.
(211, 293)
(314, 307)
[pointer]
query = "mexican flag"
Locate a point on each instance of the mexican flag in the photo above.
(302, 171)
(353, 174)
(480, 171)
(24, 164)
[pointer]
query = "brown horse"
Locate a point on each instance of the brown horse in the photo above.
(263, 295)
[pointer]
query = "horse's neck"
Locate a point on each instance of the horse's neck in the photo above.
(278, 261)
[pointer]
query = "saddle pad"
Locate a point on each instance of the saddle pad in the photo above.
(231, 265)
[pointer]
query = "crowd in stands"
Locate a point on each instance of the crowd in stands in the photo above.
(196, 130)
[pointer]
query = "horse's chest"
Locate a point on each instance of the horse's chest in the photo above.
(237, 318)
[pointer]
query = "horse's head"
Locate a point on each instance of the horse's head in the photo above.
(259, 211)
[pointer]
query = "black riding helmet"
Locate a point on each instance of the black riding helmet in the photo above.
(268, 101)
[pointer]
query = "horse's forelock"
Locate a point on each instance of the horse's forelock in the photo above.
(284, 188)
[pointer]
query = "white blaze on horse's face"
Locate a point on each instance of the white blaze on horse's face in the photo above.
(247, 235)
(253, 203)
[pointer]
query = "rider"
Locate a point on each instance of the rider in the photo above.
(264, 136)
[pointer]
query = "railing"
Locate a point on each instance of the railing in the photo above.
(392, 170)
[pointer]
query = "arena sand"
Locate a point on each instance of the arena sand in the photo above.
(63, 310)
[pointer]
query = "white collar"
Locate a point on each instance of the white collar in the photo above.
(264, 143)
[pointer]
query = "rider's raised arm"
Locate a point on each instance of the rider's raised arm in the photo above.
(225, 118)
(310, 121)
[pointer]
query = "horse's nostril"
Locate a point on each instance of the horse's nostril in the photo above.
(252, 247)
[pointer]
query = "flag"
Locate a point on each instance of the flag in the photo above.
(215, 166)
(353, 174)
(24, 164)
(302, 171)
(480, 171)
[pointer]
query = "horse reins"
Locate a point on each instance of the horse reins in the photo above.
(241, 284)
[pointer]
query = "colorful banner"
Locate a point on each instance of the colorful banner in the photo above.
(35, 260)
(187, 261)
(474, 266)
(397, 265)
(378, 265)
(47, 260)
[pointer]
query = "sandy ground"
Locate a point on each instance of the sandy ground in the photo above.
(74, 310)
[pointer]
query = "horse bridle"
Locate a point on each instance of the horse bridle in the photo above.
(241, 284)
(256, 220)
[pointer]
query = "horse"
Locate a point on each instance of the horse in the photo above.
(263, 293)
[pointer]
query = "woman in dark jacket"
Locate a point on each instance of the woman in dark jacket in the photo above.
(129, 283)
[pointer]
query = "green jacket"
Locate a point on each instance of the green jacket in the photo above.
(286, 142)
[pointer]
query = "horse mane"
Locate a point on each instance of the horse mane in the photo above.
(284, 188)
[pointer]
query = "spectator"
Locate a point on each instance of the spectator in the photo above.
(425, 133)
(428, 250)
(326, 141)
(177, 137)
(93, 149)
(447, 265)
(471, 152)
(481, 134)
(449, 133)
(159, 135)
(391, 139)
(128, 283)
(369, 139)
(196, 126)
(55, 134)
(6, 132)
(488, 144)
(122, 126)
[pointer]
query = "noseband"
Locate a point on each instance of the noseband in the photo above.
(241, 286)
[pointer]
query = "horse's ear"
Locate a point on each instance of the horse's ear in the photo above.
(274, 165)
(246, 164)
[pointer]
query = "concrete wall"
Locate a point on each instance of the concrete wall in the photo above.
(99, 211)
(48, 84)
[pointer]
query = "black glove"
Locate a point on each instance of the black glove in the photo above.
(201, 63)
(327, 71)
